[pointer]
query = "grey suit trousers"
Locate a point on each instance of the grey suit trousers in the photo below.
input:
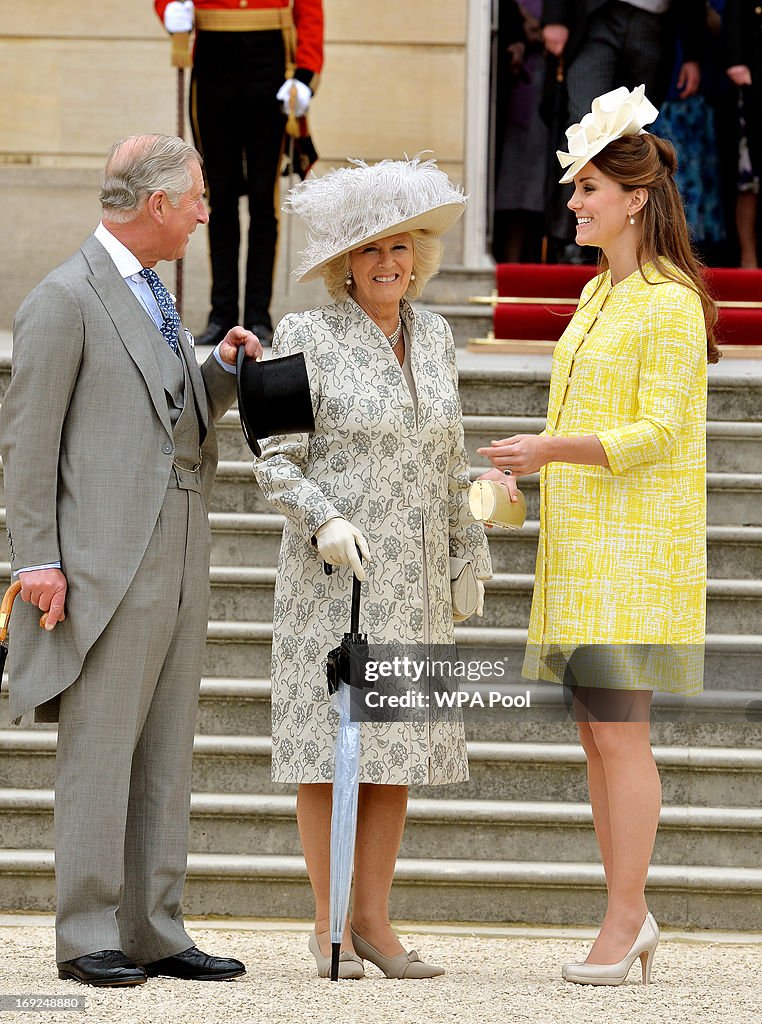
(125, 741)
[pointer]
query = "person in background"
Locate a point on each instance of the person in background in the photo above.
(109, 454)
(522, 136)
(609, 43)
(244, 50)
(618, 609)
(689, 123)
(742, 41)
(385, 471)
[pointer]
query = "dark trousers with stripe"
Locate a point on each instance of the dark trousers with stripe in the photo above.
(238, 127)
(623, 45)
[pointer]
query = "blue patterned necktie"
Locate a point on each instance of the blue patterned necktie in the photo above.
(170, 320)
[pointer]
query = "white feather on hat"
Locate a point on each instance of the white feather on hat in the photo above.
(350, 206)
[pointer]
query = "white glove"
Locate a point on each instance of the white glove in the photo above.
(337, 543)
(178, 16)
(301, 100)
(479, 598)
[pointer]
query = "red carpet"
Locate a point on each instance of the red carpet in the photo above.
(546, 320)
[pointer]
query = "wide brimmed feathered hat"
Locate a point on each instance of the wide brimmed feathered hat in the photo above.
(350, 206)
(614, 114)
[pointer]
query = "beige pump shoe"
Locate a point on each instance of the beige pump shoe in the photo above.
(644, 947)
(405, 965)
(350, 965)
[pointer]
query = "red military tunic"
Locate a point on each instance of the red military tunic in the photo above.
(308, 21)
(244, 50)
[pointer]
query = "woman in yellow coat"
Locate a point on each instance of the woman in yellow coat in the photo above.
(620, 585)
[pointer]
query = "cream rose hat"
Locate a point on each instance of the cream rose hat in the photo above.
(350, 206)
(614, 114)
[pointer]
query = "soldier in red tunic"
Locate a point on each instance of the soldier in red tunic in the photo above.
(249, 56)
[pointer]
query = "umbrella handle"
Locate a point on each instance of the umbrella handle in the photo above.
(5, 608)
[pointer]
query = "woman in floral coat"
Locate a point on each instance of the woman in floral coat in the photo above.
(619, 600)
(385, 471)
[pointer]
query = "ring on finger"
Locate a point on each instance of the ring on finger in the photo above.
(507, 472)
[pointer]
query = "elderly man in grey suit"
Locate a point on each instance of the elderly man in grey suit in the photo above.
(108, 442)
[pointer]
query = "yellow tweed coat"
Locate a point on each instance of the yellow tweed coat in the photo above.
(622, 551)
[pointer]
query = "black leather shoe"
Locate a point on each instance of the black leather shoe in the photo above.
(104, 969)
(213, 334)
(263, 332)
(193, 965)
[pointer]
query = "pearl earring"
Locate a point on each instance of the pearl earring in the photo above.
(632, 220)
(412, 276)
(348, 279)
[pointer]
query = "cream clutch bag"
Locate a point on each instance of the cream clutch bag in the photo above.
(489, 503)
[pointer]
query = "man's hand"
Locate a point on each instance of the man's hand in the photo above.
(301, 99)
(337, 543)
(555, 38)
(739, 74)
(45, 588)
(522, 454)
(178, 16)
(689, 79)
(235, 337)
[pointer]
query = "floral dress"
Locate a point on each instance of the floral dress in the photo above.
(400, 475)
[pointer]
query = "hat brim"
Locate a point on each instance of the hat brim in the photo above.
(436, 221)
(574, 168)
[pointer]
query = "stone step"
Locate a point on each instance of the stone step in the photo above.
(466, 321)
(518, 386)
(538, 892)
(695, 776)
(733, 606)
(242, 650)
(714, 718)
(732, 447)
(733, 552)
(253, 538)
(733, 498)
(257, 824)
(453, 284)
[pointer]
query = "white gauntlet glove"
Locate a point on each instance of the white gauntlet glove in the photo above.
(301, 100)
(337, 543)
(178, 16)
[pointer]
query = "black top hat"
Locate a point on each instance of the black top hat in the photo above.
(273, 397)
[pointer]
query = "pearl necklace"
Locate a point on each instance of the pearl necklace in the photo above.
(395, 336)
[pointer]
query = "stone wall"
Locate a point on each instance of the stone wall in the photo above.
(76, 76)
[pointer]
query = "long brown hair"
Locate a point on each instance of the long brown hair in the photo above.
(646, 161)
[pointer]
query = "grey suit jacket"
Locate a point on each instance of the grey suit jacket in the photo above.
(87, 449)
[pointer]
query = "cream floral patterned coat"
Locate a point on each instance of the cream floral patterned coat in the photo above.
(402, 479)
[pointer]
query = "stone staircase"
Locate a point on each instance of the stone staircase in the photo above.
(516, 842)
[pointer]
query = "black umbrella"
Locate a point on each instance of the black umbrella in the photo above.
(341, 669)
(5, 613)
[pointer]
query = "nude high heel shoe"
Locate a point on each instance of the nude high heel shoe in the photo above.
(644, 947)
(350, 965)
(405, 965)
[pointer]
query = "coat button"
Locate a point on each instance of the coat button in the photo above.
(167, 448)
